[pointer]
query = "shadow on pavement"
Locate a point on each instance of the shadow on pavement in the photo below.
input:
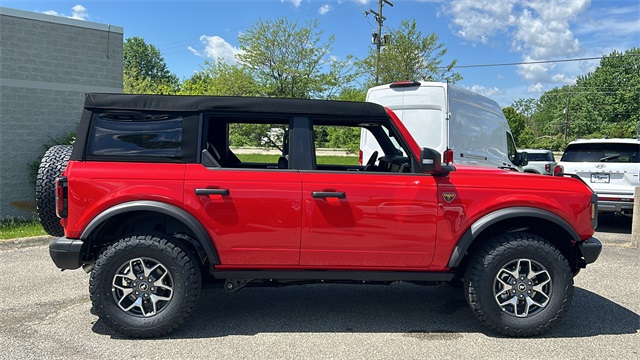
(424, 312)
(614, 224)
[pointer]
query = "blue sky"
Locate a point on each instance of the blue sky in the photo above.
(475, 32)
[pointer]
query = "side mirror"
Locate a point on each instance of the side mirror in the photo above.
(522, 158)
(431, 163)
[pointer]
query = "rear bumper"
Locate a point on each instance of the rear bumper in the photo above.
(66, 253)
(615, 206)
(590, 249)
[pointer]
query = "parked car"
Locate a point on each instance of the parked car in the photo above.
(611, 167)
(540, 161)
(152, 201)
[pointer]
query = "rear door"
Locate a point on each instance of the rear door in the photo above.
(251, 207)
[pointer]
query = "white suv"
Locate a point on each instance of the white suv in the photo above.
(611, 167)
(540, 161)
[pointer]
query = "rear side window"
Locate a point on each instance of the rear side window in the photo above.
(141, 135)
(602, 152)
(540, 157)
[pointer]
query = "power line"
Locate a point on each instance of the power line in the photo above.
(538, 62)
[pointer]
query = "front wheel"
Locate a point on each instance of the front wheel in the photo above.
(519, 285)
(145, 285)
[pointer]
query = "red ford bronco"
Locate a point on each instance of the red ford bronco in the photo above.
(152, 200)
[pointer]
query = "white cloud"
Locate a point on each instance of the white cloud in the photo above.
(324, 9)
(216, 48)
(478, 20)
(536, 88)
(538, 30)
(296, 3)
(78, 12)
(488, 92)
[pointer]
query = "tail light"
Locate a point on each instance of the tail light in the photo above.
(558, 170)
(447, 157)
(62, 197)
(360, 157)
(407, 83)
(547, 167)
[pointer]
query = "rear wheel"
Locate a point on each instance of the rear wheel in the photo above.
(519, 285)
(145, 285)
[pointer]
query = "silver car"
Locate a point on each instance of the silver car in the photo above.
(540, 161)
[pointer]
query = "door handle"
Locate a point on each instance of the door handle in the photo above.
(328, 194)
(222, 192)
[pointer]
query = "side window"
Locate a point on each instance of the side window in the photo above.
(141, 135)
(337, 145)
(511, 148)
(386, 152)
(253, 143)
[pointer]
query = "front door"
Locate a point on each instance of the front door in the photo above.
(374, 220)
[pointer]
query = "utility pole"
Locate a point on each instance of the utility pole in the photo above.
(566, 115)
(376, 38)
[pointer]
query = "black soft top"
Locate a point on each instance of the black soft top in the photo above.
(184, 103)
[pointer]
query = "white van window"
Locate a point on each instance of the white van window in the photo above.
(478, 133)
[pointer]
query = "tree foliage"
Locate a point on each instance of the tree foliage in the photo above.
(219, 78)
(603, 103)
(144, 69)
(291, 60)
(409, 56)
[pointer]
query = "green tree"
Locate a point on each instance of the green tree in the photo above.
(290, 60)
(516, 123)
(409, 56)
(604, 103)
(219, 78)
(144, 69)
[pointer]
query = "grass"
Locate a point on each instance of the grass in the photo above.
(19, 228)
(322, 159)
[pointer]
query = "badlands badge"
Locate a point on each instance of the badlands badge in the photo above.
(448, 197)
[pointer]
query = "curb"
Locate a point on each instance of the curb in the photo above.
(25, 242)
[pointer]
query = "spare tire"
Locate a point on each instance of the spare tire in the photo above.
(51, 167)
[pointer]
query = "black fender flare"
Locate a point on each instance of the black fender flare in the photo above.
(486, 221)
(146, 205)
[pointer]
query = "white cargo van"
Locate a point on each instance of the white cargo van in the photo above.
(445, 117)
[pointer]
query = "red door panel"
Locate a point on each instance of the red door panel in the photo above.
(252, 215)
(368, 220)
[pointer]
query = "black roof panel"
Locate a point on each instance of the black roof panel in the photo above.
(180, 103)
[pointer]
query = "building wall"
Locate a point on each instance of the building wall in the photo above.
(47, 64)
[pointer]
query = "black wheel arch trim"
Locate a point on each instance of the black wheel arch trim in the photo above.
(484, 222)
(171, 210)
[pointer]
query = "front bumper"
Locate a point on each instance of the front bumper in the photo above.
(590, 249)
(67, 253)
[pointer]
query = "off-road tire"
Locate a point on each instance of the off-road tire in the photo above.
(51, 167)
(481, 284)
(168, 254)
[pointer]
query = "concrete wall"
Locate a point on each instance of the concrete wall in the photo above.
(47, 64)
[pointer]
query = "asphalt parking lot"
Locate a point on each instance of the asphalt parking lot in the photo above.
(45, 313)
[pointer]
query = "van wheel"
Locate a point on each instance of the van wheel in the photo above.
(145, 285)
(519, 285)
(51, 168)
